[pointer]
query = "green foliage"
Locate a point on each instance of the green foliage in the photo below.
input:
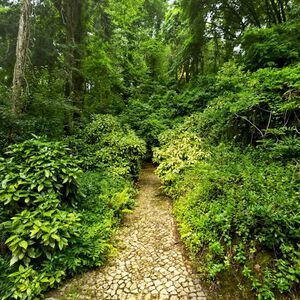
(252, 107)
(106, 143)
(40, 232)
(236, 210)
(104, 96)
(150, 117)
(38, 182)
(46, 107)
(100, 215)
(271, 47)
(180, 149)
(4, 272)
(243, 211)
(147, 118)
(54, 223)
(35, 168)
(28, 283)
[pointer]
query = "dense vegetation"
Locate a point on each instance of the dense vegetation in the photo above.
(233, 170)
(60, 204)
(210, 89)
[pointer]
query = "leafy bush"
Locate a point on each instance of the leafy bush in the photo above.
(150, 117)
(271, 47)
(235, 210)
(106, 143)
(28, 283)
(252, 107)
(56, 220)
(106, 199)
(42, 231)
(38, 182)
(33, 168)
(243, 211)
(180, 149)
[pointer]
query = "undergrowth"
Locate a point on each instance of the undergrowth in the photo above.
(233, 170)
(61, 202)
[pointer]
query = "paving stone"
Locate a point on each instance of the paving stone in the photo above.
(150, 264)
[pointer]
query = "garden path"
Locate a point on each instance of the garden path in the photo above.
(151, 263)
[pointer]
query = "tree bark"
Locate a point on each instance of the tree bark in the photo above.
(72, 19)
(21, 57)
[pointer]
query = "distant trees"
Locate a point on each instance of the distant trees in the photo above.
(95, 56)
(212, 29)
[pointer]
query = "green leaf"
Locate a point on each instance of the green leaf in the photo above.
(31, 253)
(13, 260)
(23, 244)
(45, 279)
(21, 268)
(40, 187)
(34, 231)
(12, 238)
(55, 236)
(66, 179)
(61, 244)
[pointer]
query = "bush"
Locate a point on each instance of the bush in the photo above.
(105, 200)
(180, 150)
(33, 168)
(271, 47)
(253, 107)
(42, 231)
(55, 224)
(243, 211)
(106, 144)
(38, 182)
(235, 210)
(56, 220)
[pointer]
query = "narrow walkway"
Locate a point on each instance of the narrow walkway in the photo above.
(151, 264)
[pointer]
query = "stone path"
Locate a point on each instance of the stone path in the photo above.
(151, 264)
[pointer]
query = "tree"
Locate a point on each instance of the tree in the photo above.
(21, 57)
(72, 17)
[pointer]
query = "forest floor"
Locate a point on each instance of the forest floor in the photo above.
(150, 263)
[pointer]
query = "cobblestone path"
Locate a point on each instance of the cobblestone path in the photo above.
(151, 264)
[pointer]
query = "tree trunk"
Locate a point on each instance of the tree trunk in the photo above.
(21, 57)
(72, 12)
(276, 11)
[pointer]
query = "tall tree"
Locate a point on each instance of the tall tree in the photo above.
(72, 16)
(21, 57)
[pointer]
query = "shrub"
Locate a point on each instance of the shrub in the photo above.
(271, 47)
(40, 232)
(237, 211)
(38, 182)
(106, 199)
(56, 220)
(106, 143)
(252, 107)
(33, 168)
(180, 150)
